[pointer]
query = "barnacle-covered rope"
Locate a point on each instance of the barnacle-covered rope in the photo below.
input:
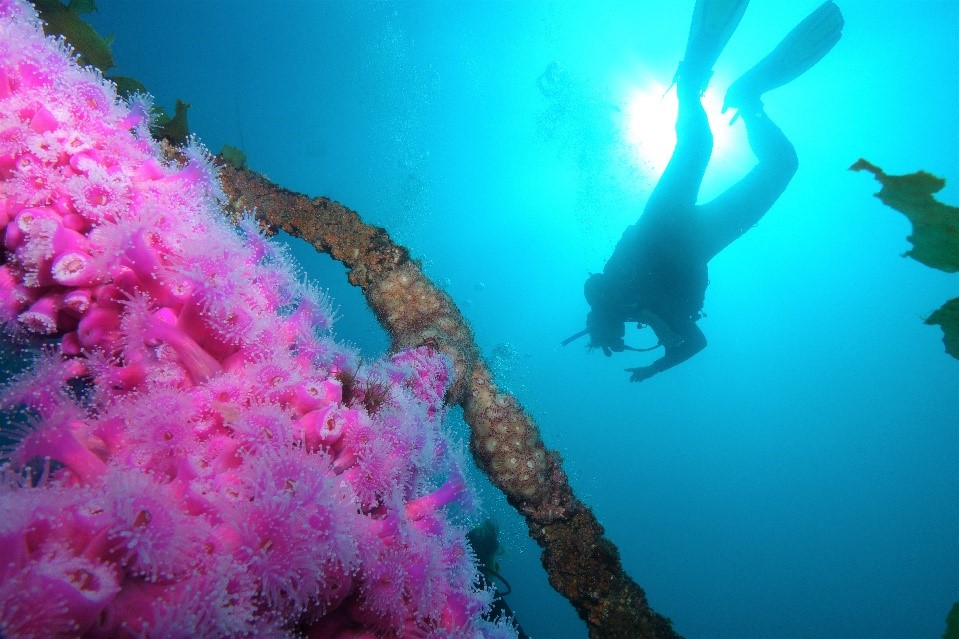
(582, 564)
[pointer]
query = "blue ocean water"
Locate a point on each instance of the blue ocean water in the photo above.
(799, 479)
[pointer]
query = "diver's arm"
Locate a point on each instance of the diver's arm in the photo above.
(692, 340)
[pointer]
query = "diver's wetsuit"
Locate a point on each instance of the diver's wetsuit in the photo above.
(659, 264)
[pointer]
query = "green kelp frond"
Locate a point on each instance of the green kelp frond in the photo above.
(935, 226)
(935, 233)
(65, 20)
(128, 87)
(947, 317)
(82, 6)
(174, 129)
(234, 156)
(952, 621)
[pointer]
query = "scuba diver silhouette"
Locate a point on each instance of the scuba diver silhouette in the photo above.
(657, 274)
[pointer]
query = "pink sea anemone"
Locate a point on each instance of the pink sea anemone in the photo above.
(193, 458)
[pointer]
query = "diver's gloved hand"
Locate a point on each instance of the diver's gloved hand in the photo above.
(641, 373)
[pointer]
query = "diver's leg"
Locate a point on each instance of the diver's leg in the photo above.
(712, 24)
(727, 217)
(669, 218)
(679, 185)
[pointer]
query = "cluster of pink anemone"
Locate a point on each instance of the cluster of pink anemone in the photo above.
(194, 455)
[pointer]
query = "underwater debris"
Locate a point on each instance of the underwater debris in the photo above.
(935, 233)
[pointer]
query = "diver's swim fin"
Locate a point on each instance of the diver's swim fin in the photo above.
(712, 25)
(798, 52)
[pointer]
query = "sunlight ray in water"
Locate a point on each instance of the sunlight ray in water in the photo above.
(649, 120)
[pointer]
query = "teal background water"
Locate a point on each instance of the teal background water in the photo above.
(798, 479)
